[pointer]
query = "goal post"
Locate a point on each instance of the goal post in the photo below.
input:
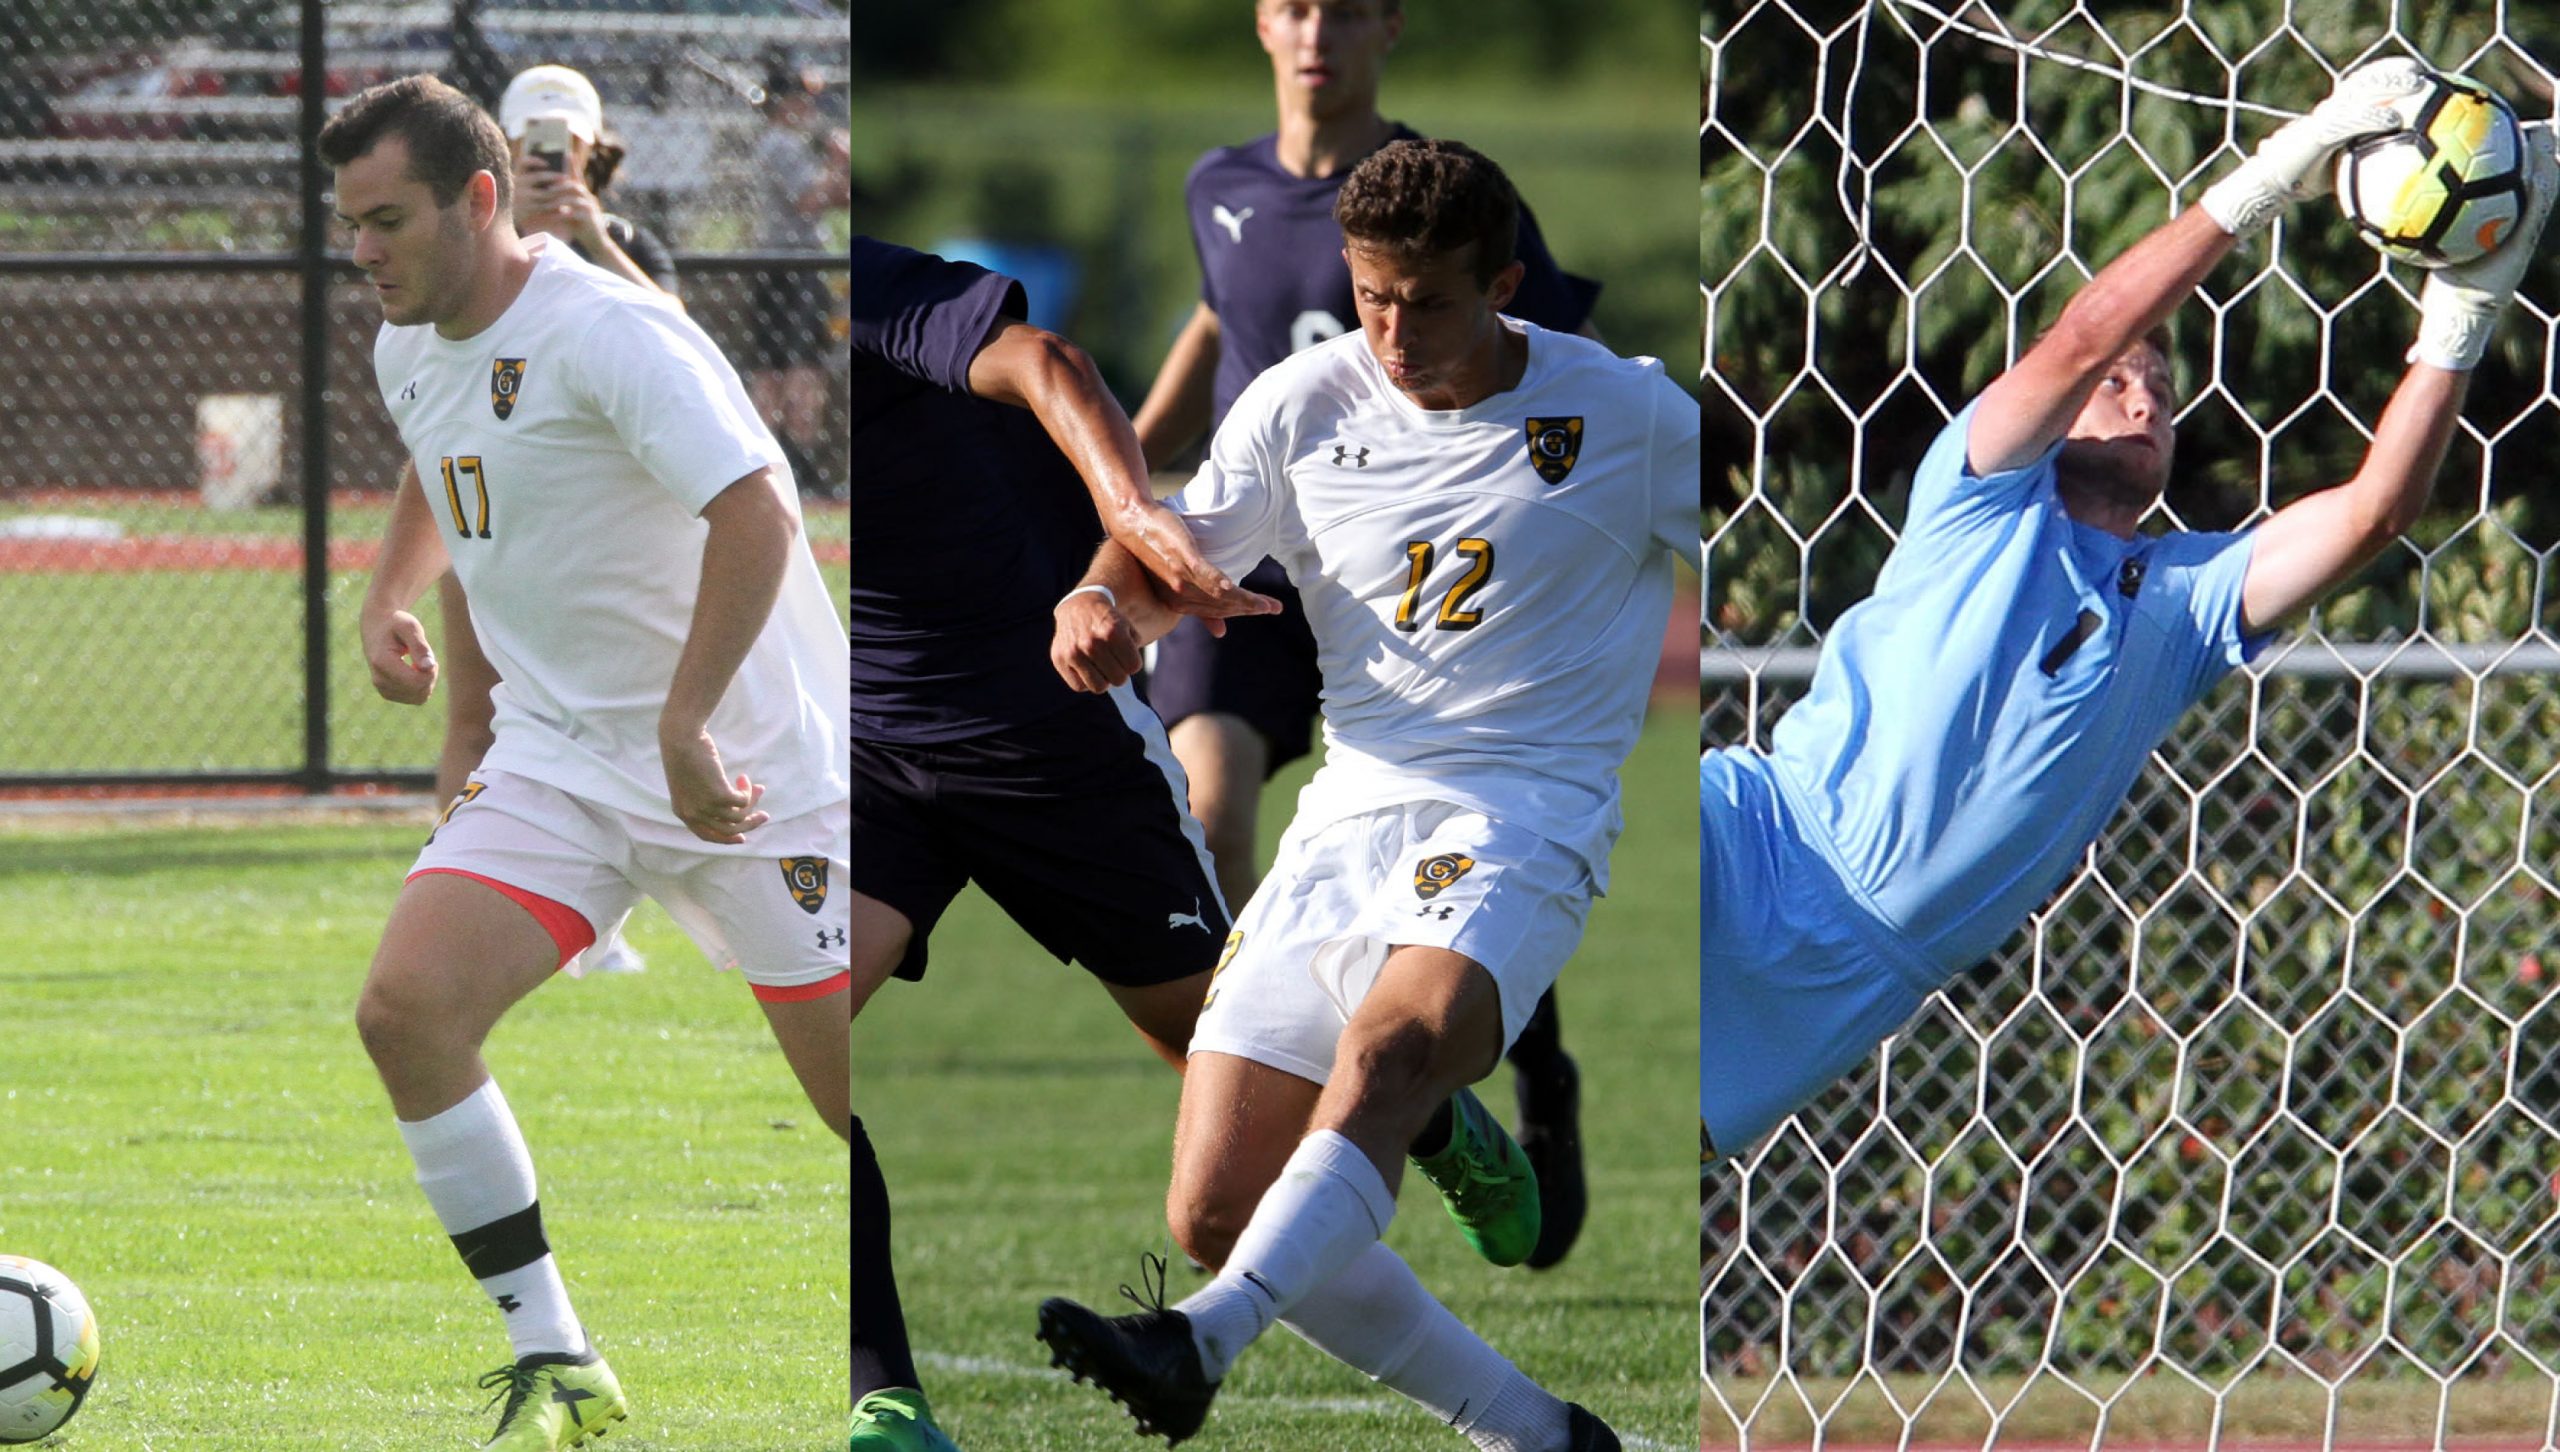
(2253, 1133)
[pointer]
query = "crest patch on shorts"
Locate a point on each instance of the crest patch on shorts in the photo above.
(1438, 872)
(807, 879)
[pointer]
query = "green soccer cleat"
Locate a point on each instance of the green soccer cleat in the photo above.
(554, 1401)
(895, 1419)
(1484, 1178)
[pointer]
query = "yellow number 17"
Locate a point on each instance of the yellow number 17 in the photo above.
(453, 468)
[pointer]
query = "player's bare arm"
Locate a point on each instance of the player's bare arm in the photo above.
(1098, 639)
(470, 708)
(1179, 404)
(2317, 543)
(2027, 408)
(1036, 369)
(412, 558)
(2320, 541)
(753, 531)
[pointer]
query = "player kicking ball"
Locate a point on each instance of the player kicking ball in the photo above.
(1974, 723)
(1241, 706)
(671, 714)
(1482, 517)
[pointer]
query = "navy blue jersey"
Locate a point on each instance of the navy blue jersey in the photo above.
(1271, 263)
(968, 524)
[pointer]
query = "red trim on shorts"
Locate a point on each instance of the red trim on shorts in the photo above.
(569, 929)
(803, 992)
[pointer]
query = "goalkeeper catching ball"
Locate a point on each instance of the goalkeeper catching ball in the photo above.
(1975, 722)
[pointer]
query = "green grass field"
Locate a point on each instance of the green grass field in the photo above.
(189, 1129)
(1025, 1134)
(188, 670)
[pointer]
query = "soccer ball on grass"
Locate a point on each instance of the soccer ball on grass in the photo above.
(48, 1349)
(2448, 186)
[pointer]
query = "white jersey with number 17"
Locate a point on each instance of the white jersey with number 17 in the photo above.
(1487, 586)
(567, 451)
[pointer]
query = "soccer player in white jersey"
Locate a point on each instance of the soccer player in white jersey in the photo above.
(671, 713)
(1974, 723)
(1482, 518)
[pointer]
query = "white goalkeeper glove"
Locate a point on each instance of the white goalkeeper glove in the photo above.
(2459, 306)
(2293, 162)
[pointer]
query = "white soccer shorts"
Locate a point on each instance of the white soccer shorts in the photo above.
(767, 907)
(1340, 896)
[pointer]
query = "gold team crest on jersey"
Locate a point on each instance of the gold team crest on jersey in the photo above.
(506, 380)
(1436, 873)
(807, 879)
(1554, 443)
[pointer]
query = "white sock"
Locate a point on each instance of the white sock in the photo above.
(473, 1165)
(1377, 1318)
(1328, 1205)
(1524, 1417)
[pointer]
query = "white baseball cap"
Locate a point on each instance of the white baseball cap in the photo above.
(551, 91)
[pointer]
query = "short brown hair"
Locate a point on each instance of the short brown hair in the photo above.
(1414, 199)
(449, 137)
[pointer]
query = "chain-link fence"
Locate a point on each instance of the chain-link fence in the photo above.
(194, 460)
(2254, 1131)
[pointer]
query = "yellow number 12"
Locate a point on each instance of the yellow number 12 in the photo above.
(1452, 616)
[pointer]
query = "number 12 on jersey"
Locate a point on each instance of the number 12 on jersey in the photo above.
(1454, 614)
(454, 468)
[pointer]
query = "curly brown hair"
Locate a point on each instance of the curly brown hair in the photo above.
(449, 137)
(1418, 199)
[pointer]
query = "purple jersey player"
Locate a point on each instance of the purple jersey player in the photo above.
(1273, 281)
(971, 759)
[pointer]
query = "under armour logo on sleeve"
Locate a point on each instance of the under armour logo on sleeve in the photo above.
(1345, 455)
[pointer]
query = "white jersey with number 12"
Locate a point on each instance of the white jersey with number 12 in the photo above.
(1487, 586)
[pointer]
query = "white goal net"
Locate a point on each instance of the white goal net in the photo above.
(2252, 1136)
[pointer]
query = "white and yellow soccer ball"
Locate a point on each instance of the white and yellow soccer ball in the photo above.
(48, 1349)
(2446, 188)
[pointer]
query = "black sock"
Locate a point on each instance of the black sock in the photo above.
(1435, 1132)
(880, 1355)
(1541, 1041)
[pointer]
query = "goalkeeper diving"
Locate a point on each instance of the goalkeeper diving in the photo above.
(1974, 723)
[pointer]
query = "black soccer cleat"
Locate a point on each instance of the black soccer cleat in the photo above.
(1145, 1362)
(1584, 1432)
(1551, 1135)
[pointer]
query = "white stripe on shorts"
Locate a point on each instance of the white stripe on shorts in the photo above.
(1139, 717)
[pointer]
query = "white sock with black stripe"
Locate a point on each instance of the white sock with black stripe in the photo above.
(473, 1164)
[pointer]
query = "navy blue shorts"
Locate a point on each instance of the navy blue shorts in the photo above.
(1076, 825)
(1264, 671)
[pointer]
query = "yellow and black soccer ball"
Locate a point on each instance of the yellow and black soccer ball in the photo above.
(2446, 188)
(48, 1349)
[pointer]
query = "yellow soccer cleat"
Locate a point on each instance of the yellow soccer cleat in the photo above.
(554, 1402)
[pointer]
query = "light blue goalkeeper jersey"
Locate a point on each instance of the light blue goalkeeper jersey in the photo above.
(1975, 722)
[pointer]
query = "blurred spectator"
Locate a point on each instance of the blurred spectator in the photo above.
(567, 202)
(802, 170)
